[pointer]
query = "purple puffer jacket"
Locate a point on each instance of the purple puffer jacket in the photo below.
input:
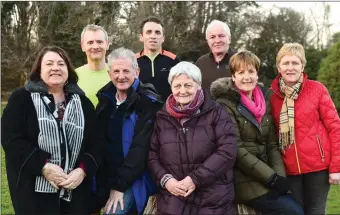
(204, 148)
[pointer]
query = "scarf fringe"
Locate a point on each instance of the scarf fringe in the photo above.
(286, 139)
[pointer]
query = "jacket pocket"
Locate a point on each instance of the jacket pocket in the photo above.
(322, 153)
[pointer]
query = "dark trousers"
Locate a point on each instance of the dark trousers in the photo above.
(311, 191)
(281, 205)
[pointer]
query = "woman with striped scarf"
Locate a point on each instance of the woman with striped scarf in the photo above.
(49, 139)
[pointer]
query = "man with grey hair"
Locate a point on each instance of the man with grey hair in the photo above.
(215, 64)
(93, 75)
(126, 112)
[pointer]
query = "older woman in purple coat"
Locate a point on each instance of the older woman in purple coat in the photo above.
(193, 149)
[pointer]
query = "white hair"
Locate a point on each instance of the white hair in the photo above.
(184, 67)
(224, 26)
(123, 53)
(92, 27)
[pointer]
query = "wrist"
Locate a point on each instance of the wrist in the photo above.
(165, 179)
(45, 167)
(82, 171)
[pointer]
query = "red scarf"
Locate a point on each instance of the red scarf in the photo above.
(256, 107)
(173, 108)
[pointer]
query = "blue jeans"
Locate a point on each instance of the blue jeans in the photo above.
(129, 204)
(283, 205)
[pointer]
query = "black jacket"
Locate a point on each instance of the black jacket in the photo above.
(117, 172)
(25, 160)
(156, 72)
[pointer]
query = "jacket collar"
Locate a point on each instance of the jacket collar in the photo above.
(225, 88)
(226, 57)
(275, 86)
(141, 54)
(207, 104)
(41, 87)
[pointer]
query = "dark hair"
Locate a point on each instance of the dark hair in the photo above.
(36, 69)
(150, 19)
(243, 58)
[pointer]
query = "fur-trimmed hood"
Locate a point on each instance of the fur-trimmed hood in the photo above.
(41, 87)
(224, 88)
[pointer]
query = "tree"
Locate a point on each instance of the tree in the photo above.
(314, 57)
(329, 73)
(273, 31)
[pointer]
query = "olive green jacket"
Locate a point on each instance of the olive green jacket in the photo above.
(258, 154)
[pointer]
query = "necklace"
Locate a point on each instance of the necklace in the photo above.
(60, 107)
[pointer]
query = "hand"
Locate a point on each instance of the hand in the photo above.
(189, 184)
(279, 183)
(74, 178)
(115, 198)
(334, 178)
(175, 188)
(54, 174)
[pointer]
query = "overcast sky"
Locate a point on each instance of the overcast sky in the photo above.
(316, 7)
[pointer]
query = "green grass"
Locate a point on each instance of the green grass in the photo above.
(333, 206)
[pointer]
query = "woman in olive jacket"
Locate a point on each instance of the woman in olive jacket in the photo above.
(259, 171)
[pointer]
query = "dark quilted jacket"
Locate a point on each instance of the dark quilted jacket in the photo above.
(204, 149)
(258, 154)
(317, 129)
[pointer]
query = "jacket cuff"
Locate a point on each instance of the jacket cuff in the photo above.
(165, 179)
(88, 164)
(119, 185)
(334, 168)
(36, 161)
(82, 166)
(194, 179)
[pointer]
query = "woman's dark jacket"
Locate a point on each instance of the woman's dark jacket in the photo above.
(122, 168)
(204, 148)
(258, 154)
(25, 160)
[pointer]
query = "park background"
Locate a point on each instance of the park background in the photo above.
(261, 27)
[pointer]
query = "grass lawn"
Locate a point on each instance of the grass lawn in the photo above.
(333, 206)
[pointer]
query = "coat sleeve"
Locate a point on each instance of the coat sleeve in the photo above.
(135, 161)
(275, 160)
(94, 145)
(248, 163)
(223, 158)
(331, 121)
(154, 163)
(19, 150)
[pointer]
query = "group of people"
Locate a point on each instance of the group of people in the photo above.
(200, 137)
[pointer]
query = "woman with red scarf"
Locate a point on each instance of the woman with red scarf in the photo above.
(193, 149)
(259, 171)
(309, 130)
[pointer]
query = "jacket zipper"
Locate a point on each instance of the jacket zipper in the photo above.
(320, 148)
(297, 159)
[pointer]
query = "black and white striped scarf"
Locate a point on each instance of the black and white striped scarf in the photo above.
(49, 138)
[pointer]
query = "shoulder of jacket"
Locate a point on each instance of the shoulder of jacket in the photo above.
(169, 54)
(203, 57)
(86, 102)
(20, 93)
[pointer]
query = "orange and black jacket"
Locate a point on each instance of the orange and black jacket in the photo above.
(157, 71)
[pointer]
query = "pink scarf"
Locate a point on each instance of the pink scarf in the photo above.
(256, 107)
